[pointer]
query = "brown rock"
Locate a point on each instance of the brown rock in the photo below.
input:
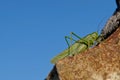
(101, 62)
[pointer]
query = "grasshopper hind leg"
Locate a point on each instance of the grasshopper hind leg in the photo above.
(69, 44)
(71, 40)
(82, 40)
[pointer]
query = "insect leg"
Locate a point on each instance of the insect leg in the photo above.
(76, 35)
(81, 39)
(66, 39)
(69, 43)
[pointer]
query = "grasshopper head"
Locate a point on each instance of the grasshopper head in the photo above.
(94, 35)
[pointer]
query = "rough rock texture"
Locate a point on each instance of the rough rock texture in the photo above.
(101, 62)
(53, 75)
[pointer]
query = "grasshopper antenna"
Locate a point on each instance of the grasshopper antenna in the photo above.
(98, 30)
(99, 25)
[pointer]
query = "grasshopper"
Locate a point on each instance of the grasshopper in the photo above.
(78, 46)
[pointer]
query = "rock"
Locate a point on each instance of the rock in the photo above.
(101, 62)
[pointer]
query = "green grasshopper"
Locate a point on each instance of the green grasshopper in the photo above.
(78, 46)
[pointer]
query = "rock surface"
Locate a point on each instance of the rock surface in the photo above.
(101, 62)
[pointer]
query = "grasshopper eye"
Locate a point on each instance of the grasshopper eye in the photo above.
(94, 35)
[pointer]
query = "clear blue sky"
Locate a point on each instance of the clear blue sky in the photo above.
(32, 32)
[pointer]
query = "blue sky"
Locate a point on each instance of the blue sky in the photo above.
(32, 32)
